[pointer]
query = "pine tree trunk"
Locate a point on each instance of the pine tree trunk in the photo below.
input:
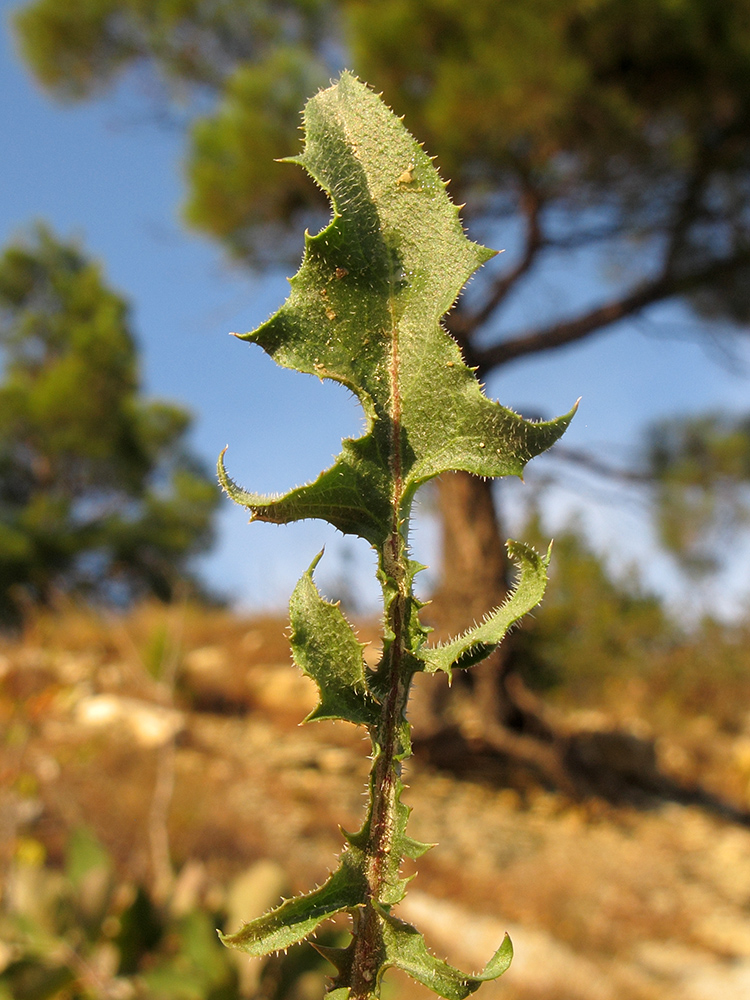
(473, 581)
(496, 708)
(474, 561)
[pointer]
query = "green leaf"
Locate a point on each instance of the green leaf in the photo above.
(85, 854)
(296, 918)
(406, 950)
(478, 642)
(365, 310)
(326, 649)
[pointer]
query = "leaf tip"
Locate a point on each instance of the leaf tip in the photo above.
(315, 562)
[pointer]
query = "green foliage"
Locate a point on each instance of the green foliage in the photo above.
(78, 49)
(637, 110)
(594, 626)
(98, 492)
(600, 74)
(365, 310)
(591, 626)
(81, 935)
(231, 171)
(701, 467)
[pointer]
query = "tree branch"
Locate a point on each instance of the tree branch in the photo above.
(665, 286)
(464, 324)
(592, 463)
(600, 234)
(689, 205)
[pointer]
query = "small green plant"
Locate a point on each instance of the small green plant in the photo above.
(80, 934)
(365, 310)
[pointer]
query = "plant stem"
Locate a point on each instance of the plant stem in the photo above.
(388, 754)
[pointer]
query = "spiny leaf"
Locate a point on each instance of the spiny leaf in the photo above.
(365, 309)
(478, 642)
(406, 949)
(326, 649)
(296, 918)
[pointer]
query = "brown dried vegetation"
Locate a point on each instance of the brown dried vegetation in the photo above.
(185, 719)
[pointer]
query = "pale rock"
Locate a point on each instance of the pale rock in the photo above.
(151, 725)
(282, 689)
(188, 888)
(206, 660)
(541, 964)
(250, 895)
(72, 668)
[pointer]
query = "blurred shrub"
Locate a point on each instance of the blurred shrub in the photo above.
(79, 934)
(591, 625)
(596, 635)
(100, 493)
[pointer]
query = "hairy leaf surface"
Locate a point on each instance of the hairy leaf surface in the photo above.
(297, 918)
(365, 310)
(406, 950)
(326, 649)
(478, 642)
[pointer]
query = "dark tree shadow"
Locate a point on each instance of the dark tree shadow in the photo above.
(613, 765)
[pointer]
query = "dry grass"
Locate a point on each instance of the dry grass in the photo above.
(596, 884)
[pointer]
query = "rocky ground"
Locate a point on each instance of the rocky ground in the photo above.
(179, 741)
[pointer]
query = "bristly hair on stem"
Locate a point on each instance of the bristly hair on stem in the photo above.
(365, 310)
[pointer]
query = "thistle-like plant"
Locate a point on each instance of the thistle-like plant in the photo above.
(365, 310)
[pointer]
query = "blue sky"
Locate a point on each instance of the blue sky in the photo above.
(108, 173)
